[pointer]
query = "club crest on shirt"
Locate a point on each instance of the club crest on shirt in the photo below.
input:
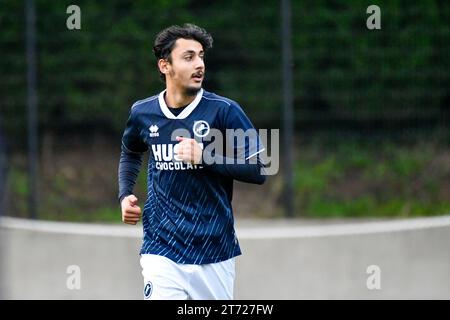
(201, 128)
(148, 289)
(153, 131)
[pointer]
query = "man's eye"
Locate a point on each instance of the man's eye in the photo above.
(188, 58)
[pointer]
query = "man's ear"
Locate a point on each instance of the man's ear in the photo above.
(163, 66)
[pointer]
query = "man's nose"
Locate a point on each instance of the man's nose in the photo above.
(199, 63)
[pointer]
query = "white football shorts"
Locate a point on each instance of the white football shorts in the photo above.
(165, 279)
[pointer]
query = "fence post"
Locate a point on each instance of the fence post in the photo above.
(32, 107)
(286, 36)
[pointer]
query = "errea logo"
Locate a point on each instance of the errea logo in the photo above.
(153, 131)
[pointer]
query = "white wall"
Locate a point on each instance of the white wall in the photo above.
(281, 260)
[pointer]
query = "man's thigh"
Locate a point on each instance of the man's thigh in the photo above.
(213, 281)
(163, 280)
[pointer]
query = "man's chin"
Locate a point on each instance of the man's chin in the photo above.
(192, 91)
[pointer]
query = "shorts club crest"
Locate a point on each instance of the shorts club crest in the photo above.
(148, 289)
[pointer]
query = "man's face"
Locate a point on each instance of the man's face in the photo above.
(187, 69)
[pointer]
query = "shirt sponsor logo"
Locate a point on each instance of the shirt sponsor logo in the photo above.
(166, 159)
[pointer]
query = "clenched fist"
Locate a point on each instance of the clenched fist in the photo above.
(188, 150)
(131, 213)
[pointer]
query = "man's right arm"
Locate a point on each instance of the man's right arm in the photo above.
(130, 163)
(129, 167)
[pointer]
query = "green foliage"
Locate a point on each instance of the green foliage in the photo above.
(360, 179)
(342, 70)
(315, 176)
(19, 182)
(347, 179)
(349, 71)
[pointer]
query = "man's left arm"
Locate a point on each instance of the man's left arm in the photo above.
(244, 163)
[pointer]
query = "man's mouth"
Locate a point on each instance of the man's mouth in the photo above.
(198, 76)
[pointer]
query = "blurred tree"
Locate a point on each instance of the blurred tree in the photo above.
(88, 78)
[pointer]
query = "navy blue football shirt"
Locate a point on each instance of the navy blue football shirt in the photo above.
(188, 216)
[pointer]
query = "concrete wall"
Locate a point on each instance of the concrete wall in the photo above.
(281, 260)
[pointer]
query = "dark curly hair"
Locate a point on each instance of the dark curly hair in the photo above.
(165, 40)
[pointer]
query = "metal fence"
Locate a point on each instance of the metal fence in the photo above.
(343, 74)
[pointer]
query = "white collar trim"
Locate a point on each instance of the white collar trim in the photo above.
(186, 112)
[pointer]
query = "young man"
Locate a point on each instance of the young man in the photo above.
(189, 243)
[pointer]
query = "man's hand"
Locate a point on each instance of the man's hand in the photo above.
(188, 150)
(131, 213)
